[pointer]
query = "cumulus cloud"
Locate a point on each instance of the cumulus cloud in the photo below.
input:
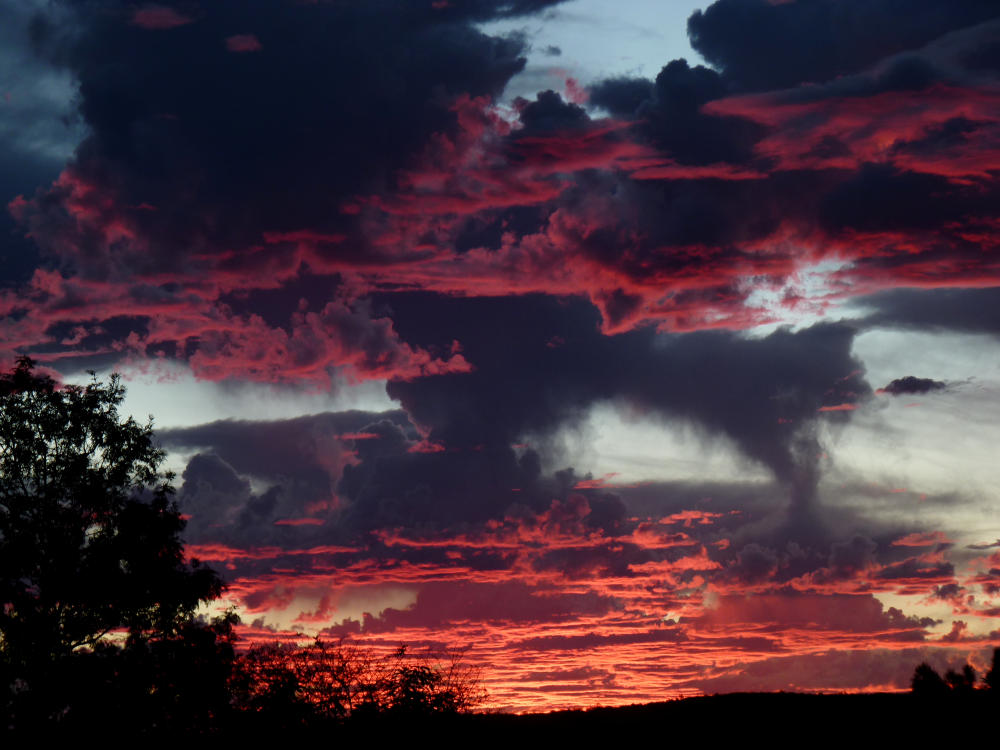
(911, 384)
(282, 192)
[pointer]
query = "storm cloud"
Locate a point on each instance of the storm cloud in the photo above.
(319, 194)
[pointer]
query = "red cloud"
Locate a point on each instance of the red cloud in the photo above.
(875, 128)
(839, 407)
(242, 43)
(158, 17)
(922, 539)
(656, 598)
(299, 522)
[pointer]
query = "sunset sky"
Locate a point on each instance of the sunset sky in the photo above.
(643, 348)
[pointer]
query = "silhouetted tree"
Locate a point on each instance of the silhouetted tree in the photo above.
(992, 678)
(89, 544)
(336, 682)
(267, 689)
(928, 683)
(419, 688)
(962, 682)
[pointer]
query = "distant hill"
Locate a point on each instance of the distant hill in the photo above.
(793, 720)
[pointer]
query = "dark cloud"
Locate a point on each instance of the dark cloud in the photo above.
(949, 592)
(38, 131)
(226, 147)
(848, 558)
(755, 563)
(849, 613)
(299, 462)
(911, 384)
(358, 471)
(596, 640)
(881, 197)
(548, 112)
(677, 124)
(220, 504)
(18, 254)
(670, 114)
(843, 161)
(468, 484)
(961, 310)
(764, 45)
(828, 671)
(440, 604)
(621, 96)
(984, 58)
(296, 192)
(984, 546)
(692, 193)
(914, 568)
(268, 448)
(953, 132)
(765, 394)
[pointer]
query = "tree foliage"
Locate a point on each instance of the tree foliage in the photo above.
(89, 536)
(340, 681)
(963, 681)
(928, 683)
(97, 602)
(992, 677)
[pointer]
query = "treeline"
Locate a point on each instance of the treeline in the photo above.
(196, 682)
(928, 682)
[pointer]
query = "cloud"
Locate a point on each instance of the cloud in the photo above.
(243, 43)
(911, 384)
(655, 198)
(292, 192)
(297, 462)
(408, 553)
(158, 17)
(827, 671)
(962, 310)
(764, 45)
(173, 195)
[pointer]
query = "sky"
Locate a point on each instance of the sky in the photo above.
(639, 349)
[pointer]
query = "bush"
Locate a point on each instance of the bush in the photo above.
(337, 682)
(927, 682)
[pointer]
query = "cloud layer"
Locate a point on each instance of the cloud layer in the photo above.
(308, 194)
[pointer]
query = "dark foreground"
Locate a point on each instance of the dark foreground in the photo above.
(778, 719)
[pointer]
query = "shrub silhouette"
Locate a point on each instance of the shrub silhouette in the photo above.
(992, 678)
(339, 681)
(89, 546)
(927, 682)
(961, 682)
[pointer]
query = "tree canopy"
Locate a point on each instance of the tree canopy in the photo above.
(928, 683)
(343, 681)
(97, 601)
(89, 535)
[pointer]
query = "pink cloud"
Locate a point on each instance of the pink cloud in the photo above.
(922, 539)
(242, 43)
(299, 522)
(158, 17)
(839, 407)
